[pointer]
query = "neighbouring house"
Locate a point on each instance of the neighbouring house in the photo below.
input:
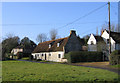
(17, 49)
(114, 37)
(54, 50)
(24, 49)
(96, 43)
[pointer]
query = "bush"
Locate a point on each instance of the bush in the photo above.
(115, 57)
(19, 55)
(82, 56)
(116, 52)
(26, 54)
(30, 57)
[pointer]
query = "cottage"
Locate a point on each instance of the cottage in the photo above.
(114, 37)
(24, 48)
(16, 50)
(95, 43)
(54, 50)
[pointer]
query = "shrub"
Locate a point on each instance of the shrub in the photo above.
(83, 56)
(19, 55)
(30, 57)
(115, 57)
(26, 54)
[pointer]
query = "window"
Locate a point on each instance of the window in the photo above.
(37, 55)
(92, 43)
(49, 54)
(49, 45)
(58, 44)
(59, 55)
(107, 41)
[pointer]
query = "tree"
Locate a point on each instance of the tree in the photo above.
(8, 44)
(114, 27)
(53, 34)
(97, 31)
(27, 43)
(41, 38)
(86, 37)
(101, 46)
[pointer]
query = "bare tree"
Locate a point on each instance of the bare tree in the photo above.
(9, 35)
(97, 31)
(53, 34)
(114, 27)
(41, 38)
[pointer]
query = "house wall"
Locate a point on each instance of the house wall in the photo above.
(117, 46)
(15, 51)
(73, 44)
(50, 56)
(90, 46)
(92, 38)
(105, 36)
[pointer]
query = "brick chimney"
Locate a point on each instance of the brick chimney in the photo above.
(72, 32)
(102, 31)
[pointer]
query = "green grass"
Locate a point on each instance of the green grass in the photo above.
(29, 71)
(115, 66)
(25, 58)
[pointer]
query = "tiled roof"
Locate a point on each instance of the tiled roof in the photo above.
(115, 36)
(44, 46)
(98, 38)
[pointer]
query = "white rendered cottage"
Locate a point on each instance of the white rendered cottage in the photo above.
(54, 50)
(95, 43)
(16, 50)
(114, 37)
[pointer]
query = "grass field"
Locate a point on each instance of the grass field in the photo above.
(29, 71)
(116, 66)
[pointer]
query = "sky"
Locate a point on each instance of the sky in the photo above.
(28, 19)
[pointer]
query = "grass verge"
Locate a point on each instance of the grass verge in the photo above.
(29, 71)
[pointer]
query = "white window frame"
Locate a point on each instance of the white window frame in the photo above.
(49, 45)
(58, 44)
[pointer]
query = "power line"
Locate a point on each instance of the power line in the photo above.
(48, 24)
(83, 16)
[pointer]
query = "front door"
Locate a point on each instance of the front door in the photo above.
(45, 56)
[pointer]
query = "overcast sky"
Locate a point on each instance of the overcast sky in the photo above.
(31, 18)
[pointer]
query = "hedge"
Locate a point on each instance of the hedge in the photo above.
(20, 55)
(84, 56)
(115, 57)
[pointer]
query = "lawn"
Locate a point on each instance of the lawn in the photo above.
(29, 71)
(115, 66)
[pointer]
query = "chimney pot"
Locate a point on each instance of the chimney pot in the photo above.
(72, 32)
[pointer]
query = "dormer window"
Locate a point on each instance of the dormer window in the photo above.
(49, 45)
(58, 44)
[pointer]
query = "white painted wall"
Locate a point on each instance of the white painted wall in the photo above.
(54, 56)
(94, 46)
(92, 38)
(105, 36)
(16, 50)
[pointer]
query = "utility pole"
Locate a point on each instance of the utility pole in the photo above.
(109, 28)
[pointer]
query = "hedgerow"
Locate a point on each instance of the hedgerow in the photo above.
(84, 56)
